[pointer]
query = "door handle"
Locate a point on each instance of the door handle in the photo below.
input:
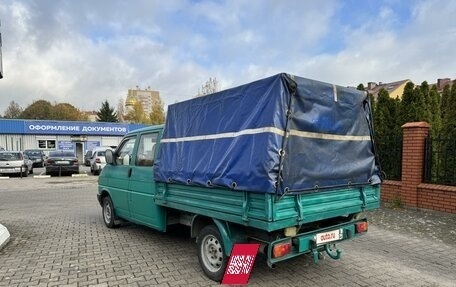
(129, 172)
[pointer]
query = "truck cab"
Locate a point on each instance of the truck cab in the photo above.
(128, 180)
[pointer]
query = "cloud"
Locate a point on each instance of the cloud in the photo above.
(84, 52)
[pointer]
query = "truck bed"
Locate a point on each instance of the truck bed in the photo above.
(266, 211)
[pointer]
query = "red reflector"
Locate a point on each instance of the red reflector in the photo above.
(281, 249)
(361, 227)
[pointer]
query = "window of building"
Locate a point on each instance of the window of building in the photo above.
(46, 144)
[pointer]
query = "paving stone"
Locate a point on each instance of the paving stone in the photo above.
(58, 239)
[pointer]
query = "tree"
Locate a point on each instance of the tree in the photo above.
(435, 111)
(120, 110)
(387, 132)
(66, 112)
(13, 111)
(413, 105)
(157, 116)
(449, 115)
(137, 115)
(211, 86)
(444, 106)
(425, 94)
(38, 110)
(106, 113)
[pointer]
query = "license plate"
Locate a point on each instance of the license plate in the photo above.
(328, 236)
(61, 162)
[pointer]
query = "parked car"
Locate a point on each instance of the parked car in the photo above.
(15, 162)
(62, 162)
(36, 156)
(87, 157)
(98, 160)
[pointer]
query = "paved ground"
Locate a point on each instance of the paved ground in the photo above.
(58, 239)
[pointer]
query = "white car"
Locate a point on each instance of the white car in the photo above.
(98, 160)
(15, 162)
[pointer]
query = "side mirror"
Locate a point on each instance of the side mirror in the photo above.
(109, 156)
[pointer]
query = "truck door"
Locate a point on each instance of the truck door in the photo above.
(119, 177)
(142, 185)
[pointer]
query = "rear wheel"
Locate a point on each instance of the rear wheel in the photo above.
(108, 212)
(211, 254)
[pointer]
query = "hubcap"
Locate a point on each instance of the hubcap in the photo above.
(212, 254)
(107, 213)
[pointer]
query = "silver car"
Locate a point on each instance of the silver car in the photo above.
(98, 160)
(15, 162)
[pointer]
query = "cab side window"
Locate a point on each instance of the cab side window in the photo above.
(124, 154)
(146, 150)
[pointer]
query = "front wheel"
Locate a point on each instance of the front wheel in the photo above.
(108, 212)
(211, 254)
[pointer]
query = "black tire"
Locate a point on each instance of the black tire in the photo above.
(25, 173)
(211, 255)
(108, 212)
(31, 171)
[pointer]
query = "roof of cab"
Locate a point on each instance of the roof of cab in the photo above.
(146, 129)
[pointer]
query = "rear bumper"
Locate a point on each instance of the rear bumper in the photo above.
(12, 170)
(306, 242)
(62, 169)
(99, 166)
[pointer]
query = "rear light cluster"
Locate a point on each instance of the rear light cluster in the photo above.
(281, 249)
(97, 160)
(74, 162)
(361, 227)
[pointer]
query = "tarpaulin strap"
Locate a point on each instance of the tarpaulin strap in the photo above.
(292, 88)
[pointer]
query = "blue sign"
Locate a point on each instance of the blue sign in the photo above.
(65, 145)
(75, 128)
(90, 145)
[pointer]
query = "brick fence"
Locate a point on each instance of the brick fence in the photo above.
(411, 191)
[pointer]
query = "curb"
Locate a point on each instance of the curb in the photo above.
(4, 236)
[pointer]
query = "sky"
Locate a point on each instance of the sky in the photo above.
(87, 51)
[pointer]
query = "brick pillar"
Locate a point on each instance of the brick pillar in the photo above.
(414, 135)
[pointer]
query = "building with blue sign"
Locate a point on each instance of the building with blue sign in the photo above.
(61, 135)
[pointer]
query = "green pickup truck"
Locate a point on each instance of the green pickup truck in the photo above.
(284, 162)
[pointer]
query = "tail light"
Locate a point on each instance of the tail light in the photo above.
(281, 249)
(361, 227)
(97, 160)
(74, 162)
(49, 161)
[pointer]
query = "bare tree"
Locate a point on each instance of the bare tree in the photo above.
(121, 110)
(211, 86)
(13, 111)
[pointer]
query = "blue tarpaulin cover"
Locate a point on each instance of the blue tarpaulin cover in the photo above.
(276, 135)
